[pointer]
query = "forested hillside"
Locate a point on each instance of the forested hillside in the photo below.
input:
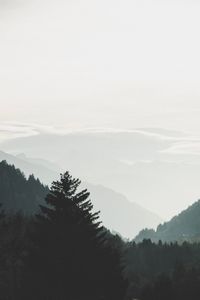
(18, 193)
(184, 227)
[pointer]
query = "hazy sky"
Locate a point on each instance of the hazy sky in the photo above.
(116, 65)
(105, 63)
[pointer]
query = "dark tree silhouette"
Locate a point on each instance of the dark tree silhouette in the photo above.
(71, 257)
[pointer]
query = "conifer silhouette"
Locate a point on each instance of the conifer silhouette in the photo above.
(70, 257)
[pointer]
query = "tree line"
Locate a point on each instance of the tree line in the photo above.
(154, 270)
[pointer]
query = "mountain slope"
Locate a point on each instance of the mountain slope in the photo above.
(119, 214)
(32, 166)
(183, 227)
(18, 193)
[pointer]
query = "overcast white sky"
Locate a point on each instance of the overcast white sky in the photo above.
(117, 64)
(100, 63)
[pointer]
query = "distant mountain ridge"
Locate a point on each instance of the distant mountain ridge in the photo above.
(183, 227)
(150, 166)
(31, 166)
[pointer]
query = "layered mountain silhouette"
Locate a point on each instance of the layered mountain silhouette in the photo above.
(183, 227)
(116, 211)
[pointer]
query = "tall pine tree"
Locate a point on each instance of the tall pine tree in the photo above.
(70, 257)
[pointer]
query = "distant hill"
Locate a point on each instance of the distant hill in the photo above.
(119, 214)
(18, 193)
(183, 227)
